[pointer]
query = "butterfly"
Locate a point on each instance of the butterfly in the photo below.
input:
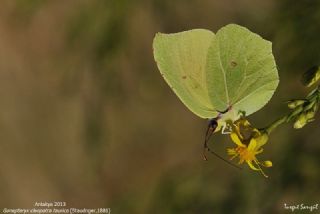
(218, 76)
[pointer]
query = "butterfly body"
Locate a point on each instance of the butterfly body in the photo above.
(233, 70)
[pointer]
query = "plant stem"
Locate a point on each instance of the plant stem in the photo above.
(275, 124)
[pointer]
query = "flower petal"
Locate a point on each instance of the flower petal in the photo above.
(252, 145)
(261, 140)
(237, 131)
(231, 151)
(256, 131)
(252, 166)
(259, 151)
(244, 122)
(235, 138)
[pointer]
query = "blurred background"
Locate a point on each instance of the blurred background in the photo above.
(86, 118)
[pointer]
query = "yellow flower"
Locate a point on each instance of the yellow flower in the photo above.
(249, 141)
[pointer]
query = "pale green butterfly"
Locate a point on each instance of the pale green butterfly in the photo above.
(218, 76)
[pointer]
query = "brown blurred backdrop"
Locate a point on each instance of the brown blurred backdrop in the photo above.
(86, 118)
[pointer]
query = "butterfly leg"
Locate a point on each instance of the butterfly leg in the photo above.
(224, 127)
(213, 124)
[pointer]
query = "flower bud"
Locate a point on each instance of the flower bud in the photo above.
(267, 163)
(297, 111)
(311, 76)
(310, 115)
(300, 122)
(294, 103)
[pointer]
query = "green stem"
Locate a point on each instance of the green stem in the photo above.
(312, 100)
(275, 124)
(312, 104)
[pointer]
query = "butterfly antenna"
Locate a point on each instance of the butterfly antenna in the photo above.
(206, 148)
(221, 158)
(207, 138)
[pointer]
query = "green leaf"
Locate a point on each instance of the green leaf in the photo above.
(211, 73)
